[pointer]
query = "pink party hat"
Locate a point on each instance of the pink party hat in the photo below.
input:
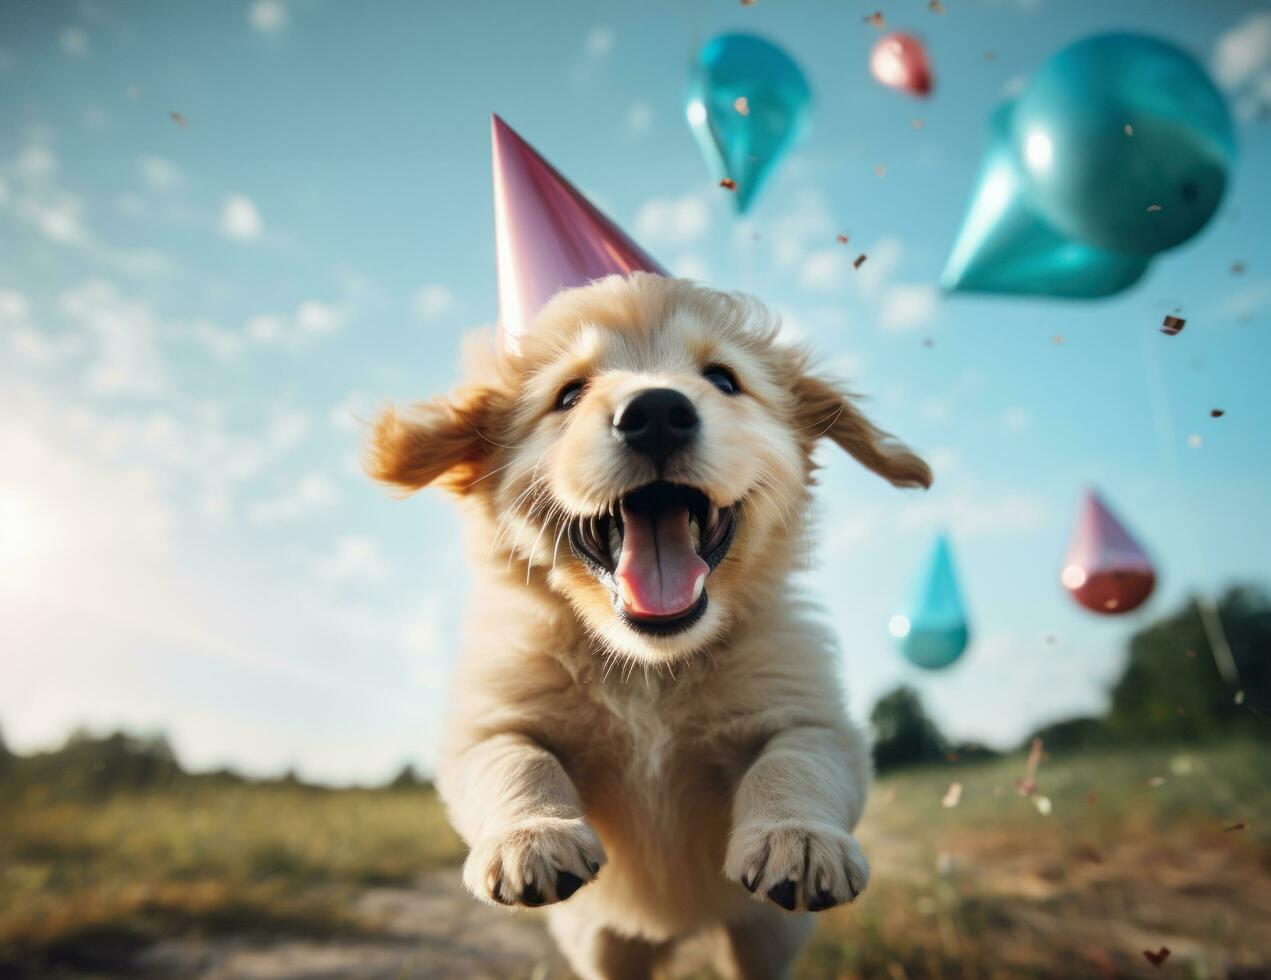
(1106, 570)
(548, 236)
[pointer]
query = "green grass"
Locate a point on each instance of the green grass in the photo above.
(97, 879)
(990, 888)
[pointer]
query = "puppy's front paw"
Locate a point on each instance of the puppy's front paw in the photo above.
(537, 862)
(797, 865)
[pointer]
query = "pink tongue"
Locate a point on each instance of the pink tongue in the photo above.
(659, 573)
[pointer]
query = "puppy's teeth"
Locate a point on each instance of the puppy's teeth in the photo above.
(695, 533)
(615, 544)
(698, 586)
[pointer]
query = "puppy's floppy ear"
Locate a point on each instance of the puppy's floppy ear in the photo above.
(824, 409)
(445, 440)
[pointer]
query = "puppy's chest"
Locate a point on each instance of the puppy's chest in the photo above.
(647, 749)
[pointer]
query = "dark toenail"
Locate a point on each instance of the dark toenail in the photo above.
(497, 892)
(823, 901)
(750, 884)
(531, 895)
(785, 894)
(594, 866)
(566, 884)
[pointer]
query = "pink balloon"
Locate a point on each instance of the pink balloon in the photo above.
(1106, 570)
(899, 61)
(548, 237)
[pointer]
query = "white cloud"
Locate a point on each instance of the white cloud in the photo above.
(312, 493)
(351, 414)
(826, 269)
(1016, 418)
(158, 173)
(639, 118)
(355, 559)
(974, 513)
(267, 16)
(1243, 52)
(881, 261)
(240, 220)
(432, 301)
(691, 265)
(35, 161)
(906, 306)
(14, 307)
(1241, 63)
(124, 333)
(672, 220)
(74, 42)
(311, 318)
(599, 41)
(221, 342)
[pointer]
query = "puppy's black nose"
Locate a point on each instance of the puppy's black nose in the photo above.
(656, 423)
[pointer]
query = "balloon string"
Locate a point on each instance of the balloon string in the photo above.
(1163, 417)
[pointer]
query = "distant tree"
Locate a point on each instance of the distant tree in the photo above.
(6, 757)
(903, 733)
(1073, 734)
(407, 778)
(1171, 687)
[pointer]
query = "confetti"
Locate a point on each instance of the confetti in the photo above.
(1237, 268)
(917, 123)
(1028, 785)
(1191, 654)
(1235, 826)
(951, 757)
(928, 343)
(1057, 340)
(1043, 805)
(747, 3)
(842, 239)
(952, 796)
(860, 261)
(1050, 639)
(1216, 413)
(989, 55)
(935, 6)
(728, 184)
(1194, 441)
(1092, 798)
(177, 118)
(880, 170)
(134, 92)
(1156, 959)
(1129, 130)
(1156, 782)
(741, 105)
(1239, 698)
(876, 20)
(1173, 325)
(1153, 208)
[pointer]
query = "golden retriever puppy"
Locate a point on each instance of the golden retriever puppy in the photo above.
(647, 731)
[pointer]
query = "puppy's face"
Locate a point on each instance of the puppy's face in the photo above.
(649, 449)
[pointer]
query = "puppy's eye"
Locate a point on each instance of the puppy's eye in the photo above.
(569, 396)
(723, 379)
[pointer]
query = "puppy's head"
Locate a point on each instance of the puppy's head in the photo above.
(649, 449)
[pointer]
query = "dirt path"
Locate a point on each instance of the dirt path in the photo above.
(435, 930)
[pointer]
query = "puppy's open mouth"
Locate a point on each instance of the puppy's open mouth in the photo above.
(654, 551)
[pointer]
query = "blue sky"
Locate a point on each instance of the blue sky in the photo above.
(194, 318)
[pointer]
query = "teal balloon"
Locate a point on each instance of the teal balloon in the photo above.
(1006, 246)
(744, 140)
(934, 633)
(1093, 180)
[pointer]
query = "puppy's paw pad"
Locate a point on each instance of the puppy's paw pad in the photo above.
(534, 863)
(797, 865)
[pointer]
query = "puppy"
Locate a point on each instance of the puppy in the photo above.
(647, 731)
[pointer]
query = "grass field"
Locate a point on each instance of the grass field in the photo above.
(1116, 853)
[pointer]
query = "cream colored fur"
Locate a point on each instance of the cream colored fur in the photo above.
(664, 773)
